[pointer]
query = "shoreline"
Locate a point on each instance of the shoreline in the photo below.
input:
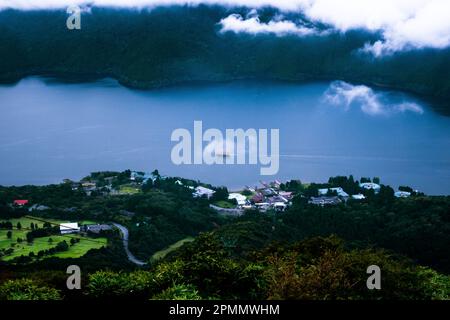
(439, 103)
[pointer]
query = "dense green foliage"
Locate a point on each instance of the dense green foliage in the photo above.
(318, 269)
(25, 289)
(175, 44)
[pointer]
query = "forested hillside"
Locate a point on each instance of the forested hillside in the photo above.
(170, 45)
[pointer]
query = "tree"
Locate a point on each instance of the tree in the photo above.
(30, 237)
(50, 240)
(32, 226)
(155, 173)
(406, 189)
(9, 234)
(19, 226)
(62, 246)
(19, 240)
(221, 194)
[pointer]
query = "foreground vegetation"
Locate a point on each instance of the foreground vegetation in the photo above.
(313, 269)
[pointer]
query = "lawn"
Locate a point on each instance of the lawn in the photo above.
(127, 189)
(225, 204)
(162, 253)
(75, 251)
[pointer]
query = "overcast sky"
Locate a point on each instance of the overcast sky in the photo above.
(403, 23)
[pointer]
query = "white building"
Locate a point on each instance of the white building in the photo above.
(68, 227)
(370, 186)
(240, 199)
(402, 194)
(202, 191)
(358, 196)
(340, 192)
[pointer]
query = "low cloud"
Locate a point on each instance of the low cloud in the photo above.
(252, 25)
(403, 24)
(345, 95)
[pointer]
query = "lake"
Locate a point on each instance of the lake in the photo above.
(50, 131)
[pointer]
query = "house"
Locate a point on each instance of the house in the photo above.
(323, 200)
(75, 185)
(257, 198)
(286, 194)
(402, 194)
(340, 192)
(68, 227)
(275, 184)
(262, 206)
(88, 185)
(268, 192)
(20, 203)
(203, 192)
(240, 199)
(279, 206)
(97, 228)
(370, 186)
(136, 175)
(38, 207)
(358, 196)
(277, 198)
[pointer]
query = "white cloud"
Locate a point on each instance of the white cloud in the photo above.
(342, 94)
(253, 25)
(404, 24)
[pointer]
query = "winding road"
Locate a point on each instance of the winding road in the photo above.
(131, 257)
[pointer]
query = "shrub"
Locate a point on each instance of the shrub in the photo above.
(26, 289)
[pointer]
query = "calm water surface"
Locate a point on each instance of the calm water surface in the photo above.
(50, 131)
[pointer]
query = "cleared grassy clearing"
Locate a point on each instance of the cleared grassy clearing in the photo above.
(162, 253)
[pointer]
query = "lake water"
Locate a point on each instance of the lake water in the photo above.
(50, 131)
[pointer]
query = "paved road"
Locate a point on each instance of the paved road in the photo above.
(131, 257)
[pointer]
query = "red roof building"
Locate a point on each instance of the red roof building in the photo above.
(20, 202)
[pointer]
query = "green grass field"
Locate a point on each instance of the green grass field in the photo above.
(75, 251)
(126, 189)
(225, 204)
(162, 253)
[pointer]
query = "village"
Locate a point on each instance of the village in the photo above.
(268, 196)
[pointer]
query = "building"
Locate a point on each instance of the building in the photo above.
(279, 206)
(240, 199)
(286, 194)
(38, 207)
(69, 227)
(134, 175)
(96, 228)
(257, 198)
(203, 192)
(88, 185)
(402, 194)
(339, 191)
(370, 186)
(358, 196)
(268, 192)
(323, 200)
(20, 203)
